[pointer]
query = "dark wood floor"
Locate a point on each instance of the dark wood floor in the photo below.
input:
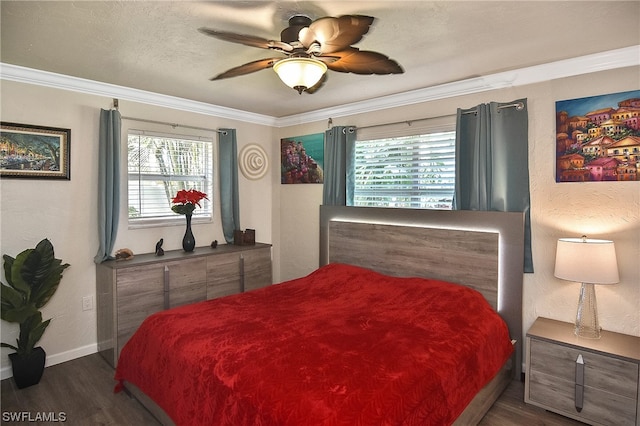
(81, 391)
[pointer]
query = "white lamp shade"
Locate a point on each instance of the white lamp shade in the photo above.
(300, 72)
(586, 260)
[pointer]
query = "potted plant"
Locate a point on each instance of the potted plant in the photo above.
(33, 277)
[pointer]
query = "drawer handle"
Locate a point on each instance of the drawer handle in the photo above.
(579, 383)
(167, 285)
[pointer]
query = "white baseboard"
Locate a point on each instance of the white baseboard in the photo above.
(54, 359)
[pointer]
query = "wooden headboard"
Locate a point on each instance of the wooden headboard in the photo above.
(482, 250)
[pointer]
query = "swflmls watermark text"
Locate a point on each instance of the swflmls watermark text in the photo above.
(37, 416)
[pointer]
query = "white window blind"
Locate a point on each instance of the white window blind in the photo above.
(406, 172)
(161, 165)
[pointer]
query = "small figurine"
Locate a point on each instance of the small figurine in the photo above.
(124, 254)
(159, 249)
(214, 244)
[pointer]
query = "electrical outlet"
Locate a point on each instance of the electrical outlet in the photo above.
(87, 303)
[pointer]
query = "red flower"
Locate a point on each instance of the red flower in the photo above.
(186, 200)
(191, 196)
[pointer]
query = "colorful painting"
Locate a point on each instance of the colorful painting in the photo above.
(28, 151)
(302, 159)
(598, 138)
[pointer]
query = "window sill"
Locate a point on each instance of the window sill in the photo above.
(162, 223)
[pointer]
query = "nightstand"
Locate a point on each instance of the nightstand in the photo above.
(594, 381)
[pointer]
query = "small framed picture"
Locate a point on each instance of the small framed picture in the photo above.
(302, 159)
(35, 152)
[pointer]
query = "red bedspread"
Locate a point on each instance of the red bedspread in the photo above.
(342, 346)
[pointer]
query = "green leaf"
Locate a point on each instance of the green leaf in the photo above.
(11, 298)
(19, 315)
(6, 345)
(8, 262)
(37, 266)
(14, 277)
(26, 337)
(49, 285)
(44, 273)
(36, 334)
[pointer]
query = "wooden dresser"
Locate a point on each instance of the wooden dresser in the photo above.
(595, 381)
(129, 291)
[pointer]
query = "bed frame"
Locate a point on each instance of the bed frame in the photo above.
(482, 250)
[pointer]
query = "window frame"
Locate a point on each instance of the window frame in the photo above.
(204, 214)
(422, 131)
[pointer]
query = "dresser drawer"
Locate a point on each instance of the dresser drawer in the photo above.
(610, 384)
(617, 376)
(128, 292)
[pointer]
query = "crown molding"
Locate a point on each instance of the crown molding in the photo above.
(613, 59)
(75, 84)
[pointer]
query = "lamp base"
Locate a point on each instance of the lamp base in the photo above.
(587, 317)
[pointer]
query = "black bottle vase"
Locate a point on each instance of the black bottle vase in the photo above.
(188, 241)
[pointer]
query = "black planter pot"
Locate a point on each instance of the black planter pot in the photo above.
(27, 370)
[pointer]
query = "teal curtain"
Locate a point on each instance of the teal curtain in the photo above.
(228, 168)
(492, 165)
(109, 140)
(339, 157)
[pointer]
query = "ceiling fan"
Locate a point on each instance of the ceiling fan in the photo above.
(312, 47)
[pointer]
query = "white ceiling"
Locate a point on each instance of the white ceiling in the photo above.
(155, 46)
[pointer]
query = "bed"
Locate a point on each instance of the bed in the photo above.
(413, 317)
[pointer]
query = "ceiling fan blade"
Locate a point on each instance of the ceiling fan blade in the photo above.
(260, 64)
(335, 34)
(313, 89)
(248, 40)
(362, 62)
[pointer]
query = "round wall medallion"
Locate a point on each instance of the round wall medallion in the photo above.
(253, 162)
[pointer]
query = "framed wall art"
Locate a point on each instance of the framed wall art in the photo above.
(598, 138)
(302, 159)
(36, 152)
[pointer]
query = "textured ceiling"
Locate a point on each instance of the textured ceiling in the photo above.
(155, 46)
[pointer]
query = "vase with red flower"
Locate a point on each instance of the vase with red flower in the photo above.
(185, 203)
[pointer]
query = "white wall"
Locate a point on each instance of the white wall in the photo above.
(66, 211)
(299, 217)
(601, 210)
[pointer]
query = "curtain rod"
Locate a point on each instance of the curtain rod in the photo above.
(174, 125)
(517, 105)
(407, 122)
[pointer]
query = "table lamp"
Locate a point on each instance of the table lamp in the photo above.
(589, 262)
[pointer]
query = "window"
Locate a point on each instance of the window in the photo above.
(406, 172)
(161, 165)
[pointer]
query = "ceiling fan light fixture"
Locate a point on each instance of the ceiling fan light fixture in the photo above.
(300, 73)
